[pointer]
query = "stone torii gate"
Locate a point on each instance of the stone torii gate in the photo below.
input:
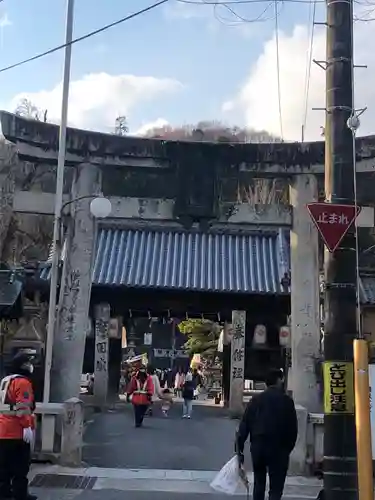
(186, 180)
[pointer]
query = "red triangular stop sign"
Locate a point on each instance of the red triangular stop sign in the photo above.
(332, 221)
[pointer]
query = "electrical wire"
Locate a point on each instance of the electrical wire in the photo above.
(308, 66)
(243, 2)
(236, 18)
(84, 37)
(278, 69)
(240, 19)
(364, 16)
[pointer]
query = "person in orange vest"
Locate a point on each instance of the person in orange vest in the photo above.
(141, 389)
(17, 429)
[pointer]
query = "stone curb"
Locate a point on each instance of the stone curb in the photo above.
(156, 474)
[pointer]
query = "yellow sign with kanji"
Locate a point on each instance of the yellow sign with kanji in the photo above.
(338, 387)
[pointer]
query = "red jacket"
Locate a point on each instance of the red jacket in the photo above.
(141, 393)
(20, 395)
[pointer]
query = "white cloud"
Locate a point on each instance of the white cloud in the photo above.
(158, 123)
(97, 99)
(228, 106)
(258, 96)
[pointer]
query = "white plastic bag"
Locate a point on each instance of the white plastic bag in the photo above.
(228, 480)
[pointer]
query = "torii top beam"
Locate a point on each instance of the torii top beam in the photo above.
(38, 141)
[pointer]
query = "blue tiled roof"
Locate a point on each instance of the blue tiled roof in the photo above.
(247, 263)
(180, 260)
(368, 290)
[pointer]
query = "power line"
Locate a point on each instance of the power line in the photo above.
(214, 3)
(278, 69)
(238, 19)
(241, 19)
(84, 37)
(308, 67)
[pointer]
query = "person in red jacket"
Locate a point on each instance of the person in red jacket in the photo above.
(17, 429)
(141, 389)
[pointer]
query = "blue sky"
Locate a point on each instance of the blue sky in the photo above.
(211, 60)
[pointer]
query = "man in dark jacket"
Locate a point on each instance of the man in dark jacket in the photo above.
(271, 421)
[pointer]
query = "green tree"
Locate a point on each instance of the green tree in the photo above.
(202, 337)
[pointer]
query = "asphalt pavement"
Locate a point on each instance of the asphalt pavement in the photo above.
(206, 442)
(169, 457)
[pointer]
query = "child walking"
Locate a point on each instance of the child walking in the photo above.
(166, 401)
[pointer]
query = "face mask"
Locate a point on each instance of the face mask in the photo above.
(29, 367)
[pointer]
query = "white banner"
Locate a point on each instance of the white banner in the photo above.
(371, 372)
(170, 353)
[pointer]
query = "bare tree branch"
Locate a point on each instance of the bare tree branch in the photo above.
(213, 131)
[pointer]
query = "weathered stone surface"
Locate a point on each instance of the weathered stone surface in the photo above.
(69, 341)
(305, 320)
(157, 153)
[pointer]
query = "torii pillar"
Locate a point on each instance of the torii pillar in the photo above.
(71, 328)
(305, 313)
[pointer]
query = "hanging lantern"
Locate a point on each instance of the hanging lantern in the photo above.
(260, 335)
(284, 336)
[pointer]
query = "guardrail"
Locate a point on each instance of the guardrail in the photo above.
(59, 432)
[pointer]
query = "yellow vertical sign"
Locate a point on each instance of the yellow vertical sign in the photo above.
(338, 387)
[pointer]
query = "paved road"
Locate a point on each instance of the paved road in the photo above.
(203, 443)
(172, 444)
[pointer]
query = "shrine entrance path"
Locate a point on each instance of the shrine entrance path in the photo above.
(205, 442)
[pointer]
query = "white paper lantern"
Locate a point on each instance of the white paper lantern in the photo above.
(284, 336)
(260, 335)
(100, 207)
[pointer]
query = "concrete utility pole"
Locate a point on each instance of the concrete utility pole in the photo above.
(340, 470)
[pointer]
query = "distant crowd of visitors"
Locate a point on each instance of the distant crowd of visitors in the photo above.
(149, 386)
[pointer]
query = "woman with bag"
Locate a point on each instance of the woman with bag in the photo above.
(188, 395)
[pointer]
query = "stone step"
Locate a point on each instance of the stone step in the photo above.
(156, 480)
